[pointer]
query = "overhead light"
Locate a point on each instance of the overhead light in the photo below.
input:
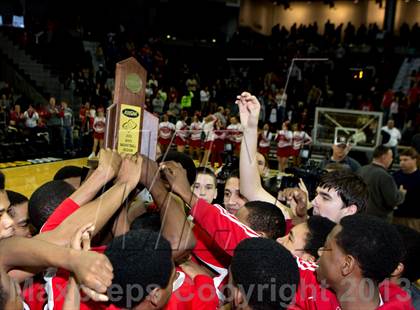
(356, 1)
(168, 36)
(214, 40)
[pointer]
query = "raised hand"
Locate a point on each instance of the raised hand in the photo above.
(130, 170)
(176, 176)
(94, 272)
(249, 109)
(109, 163)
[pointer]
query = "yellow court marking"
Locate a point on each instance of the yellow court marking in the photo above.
(27, 179)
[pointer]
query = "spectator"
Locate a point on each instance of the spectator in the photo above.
(394, 137)
(408, 212)
(340, 149)
(68, 124)
(55, 125)
(384, 194)
(204, 98)
(158, 104)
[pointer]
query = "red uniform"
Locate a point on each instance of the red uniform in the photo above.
(265, 141)
(300, 138)
(235, 136)
(99, 128)
(284, 140)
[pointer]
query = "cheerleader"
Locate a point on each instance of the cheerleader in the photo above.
(218, 144)
(195, 138)
(235, 135)
(208, 128)
(265, 140)
(166, 130)
(300, 139)
(181, 133)
(99, 124)
(284, 139)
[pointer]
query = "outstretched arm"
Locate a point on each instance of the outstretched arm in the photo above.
(250, 182)
(175, 226)
(98, 211)
(90, 268)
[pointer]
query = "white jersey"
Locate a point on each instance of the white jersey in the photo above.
(265, 138)
(166, 129)
(181, 129)
(196, 129)
(235, 132)
(284, 138)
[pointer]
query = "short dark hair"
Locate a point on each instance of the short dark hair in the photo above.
(207, 171)
(16, 198)
(380, 150)
(148, 221)
(410, 152)
(349, 186)
(186, 162)
(319, 227)
(233, 174)
(410, 257)
(263, 263)
(46, 199)
(139, 258)
(266, 217)
(68, 172)
(374, 243)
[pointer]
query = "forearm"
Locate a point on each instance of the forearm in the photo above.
(175, 227)
(25, 252)
(97, 212)
(88, 190)
(248, 164)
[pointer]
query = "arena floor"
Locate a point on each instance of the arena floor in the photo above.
(27, 179)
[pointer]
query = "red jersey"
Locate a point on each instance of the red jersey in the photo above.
(394, 297)
(265, 139)
(309, 294)
(189, 294)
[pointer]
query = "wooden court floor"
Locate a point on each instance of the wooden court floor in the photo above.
(27, 179)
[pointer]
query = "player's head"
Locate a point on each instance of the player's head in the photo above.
(46, 199)
(6, 222)
(305, 239)
(261, 164)
(70, 174)
(340, 148)
(260, 267)
(408, 268)
(360, 247)
(205, 185)
(232, 198)
(340, 193)
(143, 270)
(19, 213)
(186, 162)
(263, 217)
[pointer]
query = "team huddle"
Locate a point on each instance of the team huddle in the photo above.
(142, 234)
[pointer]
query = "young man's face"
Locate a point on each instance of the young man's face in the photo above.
(232, 199)
(328, 203)
(205, 187)
(261, 164)
(331, 261)
(296, 239)
(6, 222)
(20, 216)
(407, 164)
(340, 151)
